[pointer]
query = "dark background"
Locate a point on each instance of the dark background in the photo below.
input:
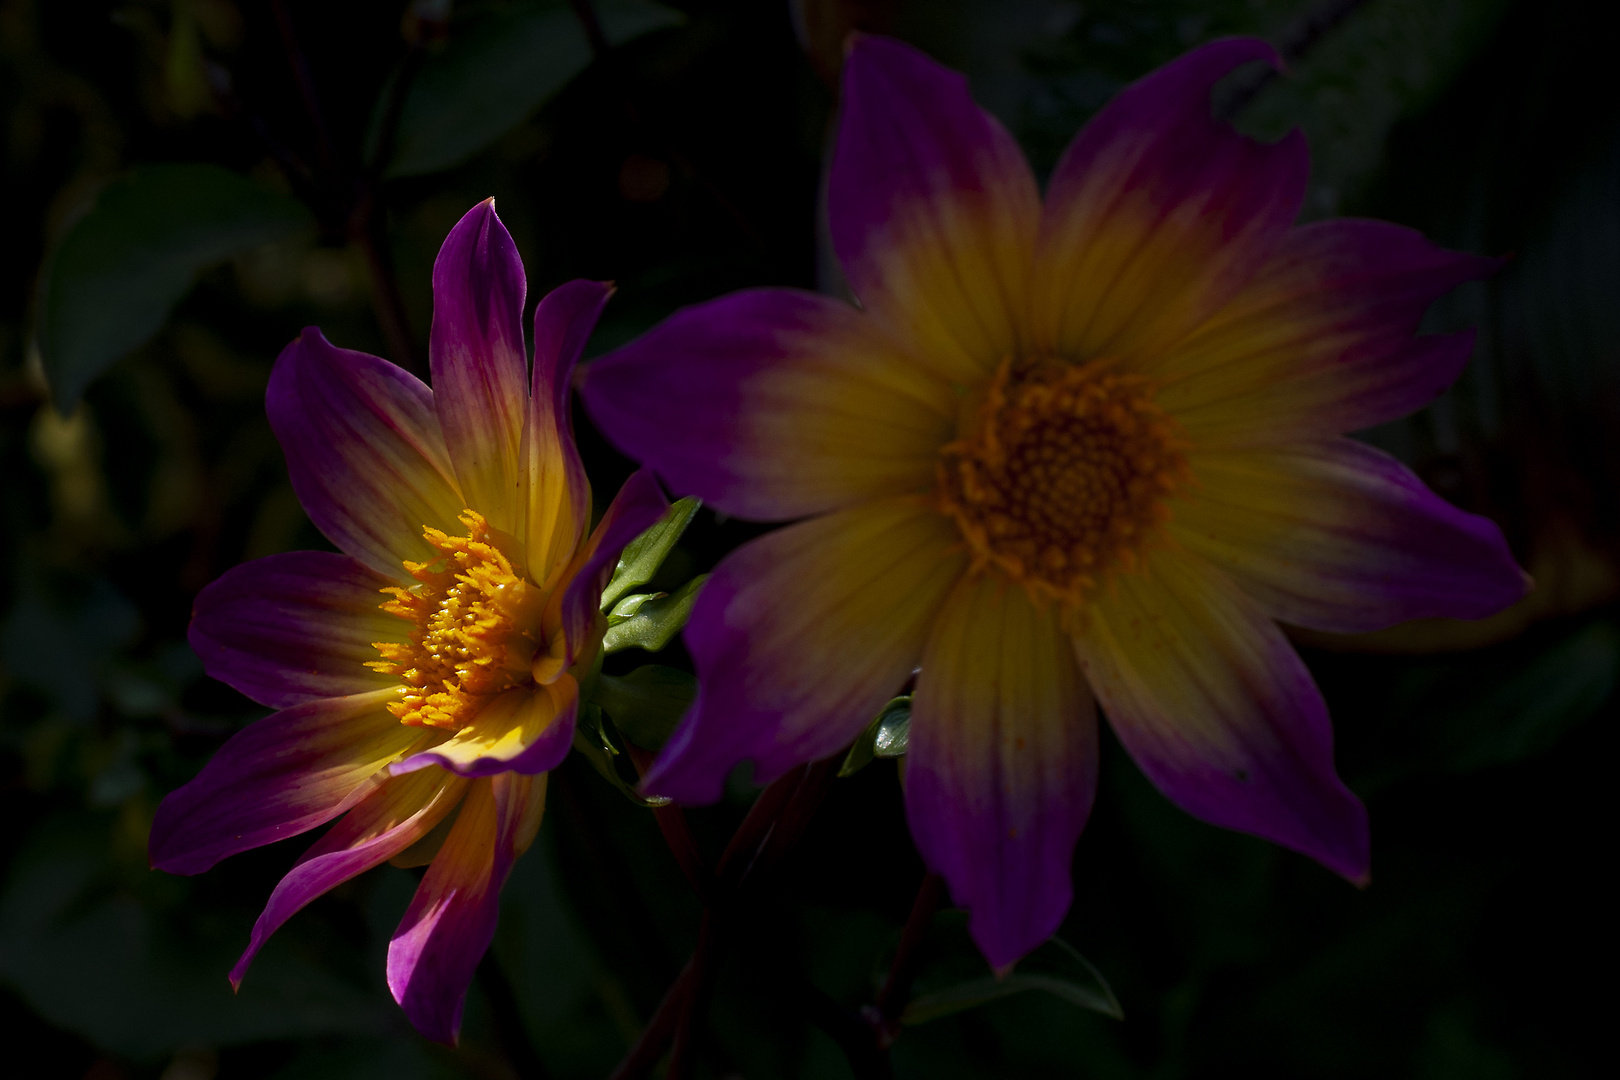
(681, 162)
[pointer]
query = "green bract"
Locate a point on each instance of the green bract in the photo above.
(646, 553)
(647, 703)
(650, 621)
(885, 737)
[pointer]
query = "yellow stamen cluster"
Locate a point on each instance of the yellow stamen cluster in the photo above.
(474, 629)
(1062, 474)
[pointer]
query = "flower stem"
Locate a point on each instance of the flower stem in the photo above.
(306, 86)
(677, 833)
(591, 25)
(776, 821)
(884, 1015)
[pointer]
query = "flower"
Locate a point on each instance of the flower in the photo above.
(1066, 453)
(427, 677)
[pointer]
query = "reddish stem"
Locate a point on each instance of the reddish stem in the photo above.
(677, 833)
(884, 1016)
(772, 826)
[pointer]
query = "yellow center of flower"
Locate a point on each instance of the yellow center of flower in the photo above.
(475, 629)
(1062, 474)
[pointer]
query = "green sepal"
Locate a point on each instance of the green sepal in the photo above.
(643, 556)
(631, 604)
(1059, 970)
(646, 704)
(652, 622)
(886, 737)
(594, 738)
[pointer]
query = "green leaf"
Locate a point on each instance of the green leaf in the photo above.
(656, 620)
(1526, 711)
(66, 650)
(1060, 970)
(593, 737)
(647, 703)
(497, 71)
(886, 736)
(643, 556)
(120, 268)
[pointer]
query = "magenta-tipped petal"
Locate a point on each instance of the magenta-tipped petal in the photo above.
(1158, 213)
(451, 919)
(1320, 341)
(391, 819)
(639, 504)
(475, 351)
(364, 452)
(279, 777)
(1338, 536)
(1001, 768)
(290, 628)
(1218, 710)
(559, 497)
(799, 638)
(773, 404)
(933, 209)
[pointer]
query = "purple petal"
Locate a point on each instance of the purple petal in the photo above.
(1338, 536)
(800, 637)
(1002, 763)
(526, 730)
(933, 209)
(1217, 709)
(559, 497)
(278, 777)
(773, 404)
(1158, 213)
(476, 355)
(364, 452)
(451, 920)
(633, 511)
(289, 628)
(391, 819)
(1320, 341)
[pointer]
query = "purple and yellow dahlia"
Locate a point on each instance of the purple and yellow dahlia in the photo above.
(1074, 451)
(431, 669)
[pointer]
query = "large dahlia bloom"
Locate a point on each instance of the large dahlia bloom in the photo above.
(1068, 452)
(430, 669)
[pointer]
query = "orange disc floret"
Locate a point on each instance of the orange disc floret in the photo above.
(1063, 474)
(474, 629)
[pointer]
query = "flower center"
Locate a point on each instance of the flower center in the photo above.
(1062, 475)
(475, 629)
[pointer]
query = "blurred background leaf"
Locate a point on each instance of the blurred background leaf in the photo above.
(118, 271)
(497, 70)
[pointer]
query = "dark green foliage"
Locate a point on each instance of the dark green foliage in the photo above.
(155, 264)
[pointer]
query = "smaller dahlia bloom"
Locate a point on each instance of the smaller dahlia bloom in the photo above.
(1069, 451)
(428, 677)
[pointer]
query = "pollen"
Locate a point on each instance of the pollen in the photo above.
(1062, 474)
(475, 629)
